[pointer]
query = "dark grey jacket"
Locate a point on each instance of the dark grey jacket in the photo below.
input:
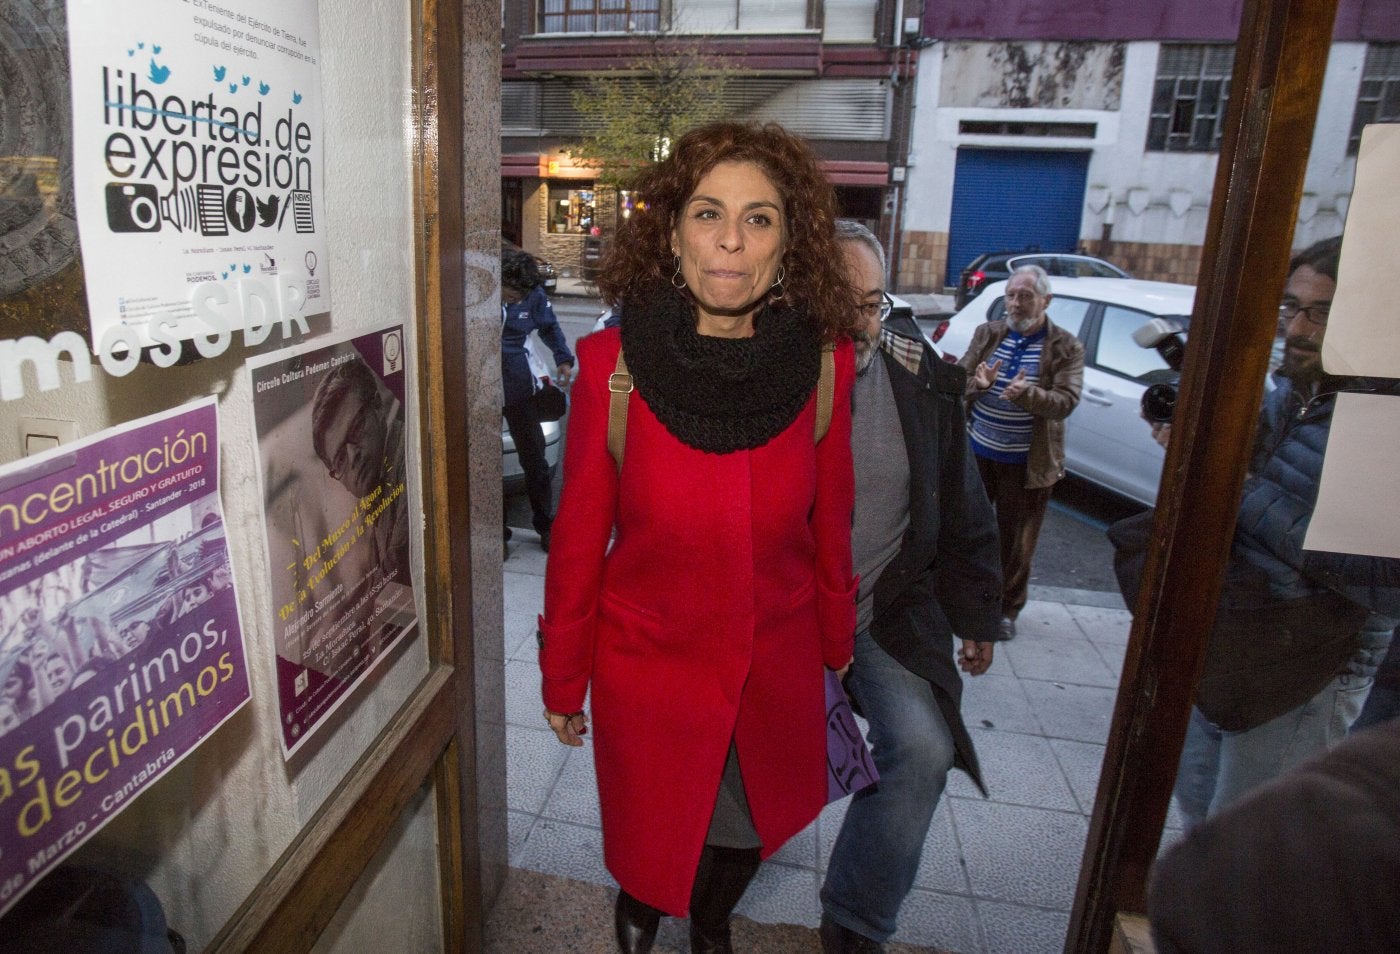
(946, 578)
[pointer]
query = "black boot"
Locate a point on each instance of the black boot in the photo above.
(839, 939)
(720, 881)
(635, 923)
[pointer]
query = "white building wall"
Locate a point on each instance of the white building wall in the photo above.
(1155, 198)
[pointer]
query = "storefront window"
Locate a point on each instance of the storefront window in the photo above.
(572, 211)
(626, 203)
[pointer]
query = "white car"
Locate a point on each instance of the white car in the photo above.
(1106, 440)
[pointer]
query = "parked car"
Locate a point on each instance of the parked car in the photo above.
(996, 266)
(514, 477)
(547, 271)
(1106, 441)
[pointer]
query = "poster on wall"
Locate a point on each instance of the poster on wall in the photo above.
(197, 166)
(120, 644)
(331, 445)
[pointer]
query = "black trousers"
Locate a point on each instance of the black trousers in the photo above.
(528, 436)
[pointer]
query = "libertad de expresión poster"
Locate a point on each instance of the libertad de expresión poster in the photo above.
(197, 165)
(331, 442)
(120, 644)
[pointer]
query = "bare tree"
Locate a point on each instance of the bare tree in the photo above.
(635, 111)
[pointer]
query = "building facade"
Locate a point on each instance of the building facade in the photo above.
(1062, 125)
(838, 72)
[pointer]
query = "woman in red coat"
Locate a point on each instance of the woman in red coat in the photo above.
(703, 629)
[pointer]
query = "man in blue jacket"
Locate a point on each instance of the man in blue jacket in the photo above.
(925, 545)
(1260, 723)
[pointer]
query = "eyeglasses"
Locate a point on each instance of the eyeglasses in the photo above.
(877, 309)
(353, 436)
(1315, 315)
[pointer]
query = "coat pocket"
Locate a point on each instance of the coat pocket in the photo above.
(622, 624)
(804, 594)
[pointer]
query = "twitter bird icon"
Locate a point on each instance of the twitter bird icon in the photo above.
(159, 74)
(263, 88)
(247, 80)
(233, 87)
(219, 72)
(296, 97)
(267, 210)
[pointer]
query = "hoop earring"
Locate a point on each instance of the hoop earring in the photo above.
(674, 283)
(782, 273)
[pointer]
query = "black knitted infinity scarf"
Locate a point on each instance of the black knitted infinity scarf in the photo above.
(719, 394)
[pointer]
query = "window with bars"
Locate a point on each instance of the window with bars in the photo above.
(599, 16)
(1189, 97)
(1378, 100)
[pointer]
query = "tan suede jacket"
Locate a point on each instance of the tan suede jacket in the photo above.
(1050, 401)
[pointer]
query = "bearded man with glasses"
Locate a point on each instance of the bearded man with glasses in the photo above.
(1273, 584)
(924, 545)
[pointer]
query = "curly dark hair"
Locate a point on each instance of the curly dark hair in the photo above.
(815, 282)
(1322, 257)
(518, 270)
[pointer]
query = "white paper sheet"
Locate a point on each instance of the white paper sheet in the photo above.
(1363, 334)
(1356, 508)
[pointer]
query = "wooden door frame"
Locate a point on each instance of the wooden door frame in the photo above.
(432, 739)
(1280, 60)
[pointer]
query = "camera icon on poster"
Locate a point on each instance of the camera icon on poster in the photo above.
(132, 207)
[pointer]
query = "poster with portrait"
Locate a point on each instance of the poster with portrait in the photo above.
(197, 165)
(120, 644)
(333, 471)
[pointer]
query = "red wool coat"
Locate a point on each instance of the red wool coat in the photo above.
(728, 586)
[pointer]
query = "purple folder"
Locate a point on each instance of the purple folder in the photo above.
(849, 767)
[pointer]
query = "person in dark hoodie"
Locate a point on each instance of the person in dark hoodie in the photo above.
(524, 309)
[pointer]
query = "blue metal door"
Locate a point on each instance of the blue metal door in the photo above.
(1010, 199)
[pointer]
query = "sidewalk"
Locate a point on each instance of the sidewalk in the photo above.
(998, 875)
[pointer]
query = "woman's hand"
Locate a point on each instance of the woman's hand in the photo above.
(564, 374)
(568, 727)
(841, 673)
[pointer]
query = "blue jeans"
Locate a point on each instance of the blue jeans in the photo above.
(1218, 767)
(876, 857)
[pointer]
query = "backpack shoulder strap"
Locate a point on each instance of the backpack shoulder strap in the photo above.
(826, 390)
(620, 386)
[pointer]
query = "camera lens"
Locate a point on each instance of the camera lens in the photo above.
(1159, 402)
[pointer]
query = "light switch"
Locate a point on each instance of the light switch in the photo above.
(38, 443)
(38, 434)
